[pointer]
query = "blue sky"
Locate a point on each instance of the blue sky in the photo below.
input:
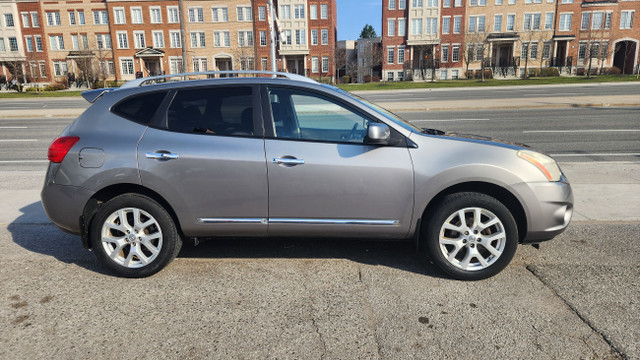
(353, 15)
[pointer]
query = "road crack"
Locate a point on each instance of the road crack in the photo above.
(618, 353)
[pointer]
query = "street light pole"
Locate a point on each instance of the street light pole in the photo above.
(272, 35)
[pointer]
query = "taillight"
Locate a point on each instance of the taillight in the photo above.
(60, 147)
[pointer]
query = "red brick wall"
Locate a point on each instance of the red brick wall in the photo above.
(331, 24)
(31, 31)
(452, 38)
(395, 40)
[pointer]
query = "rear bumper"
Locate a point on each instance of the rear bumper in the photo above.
(549, 208)
(64, 205)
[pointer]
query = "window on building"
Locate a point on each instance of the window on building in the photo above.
(56, 42)
(400, 54)
(391, 27)
(582, 50)
(196, 14)
(392, 4)
(525, 50)
(446, 3)
(25, 19)
(498, 2)
(81, 19)
(285, 12)
(126, 67)
(315, 64)
(264, 64)
(38, 41)
(389, 75)
(8, 20)
(325, 36)
(100, 18)
(53, 18)
(155, 13)
(402, 25)
(175, 65)
(457, 24)
(199, 64)
(479, 51)
(298, 11)
(263, 38)
(443, 74)
(198, 39)
(325, 64)
(497, 23)
(454, 75)
(72, 18)
(533, 51)
(417, 3)
(607, 20)
(626, 19)
(313, 12)
(103, 41)
(314, 37)
(444, 53)
(432, 25)
(246, 63)
(548, 21)
(446, 23)
(158, 39)
(219, 14)
(29, 41)
(35, 22)
(391, 55)
(60, 68)
(402, 4)
(476, 23)
(136, 15)
(74, 42)
(546, 50)
(584, 24)
(511, 20)
(324, 11)
(596, 20)
(457, 3)
(118, 16)
(123, 40)
(174, 39)
(285, 37)
(3, 47)
(455, 53)
(565, 22)
(107, 67)
(172, 14)
(138, 40)
(244, 13)
(245, 38)
(300, 37)
(43, 69)
(416, 26)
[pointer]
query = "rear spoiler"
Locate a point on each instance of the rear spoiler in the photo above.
(93, 95)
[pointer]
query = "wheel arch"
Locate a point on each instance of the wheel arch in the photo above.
(498, 192)
(108, 193)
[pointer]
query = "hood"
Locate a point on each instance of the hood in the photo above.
(476, 138)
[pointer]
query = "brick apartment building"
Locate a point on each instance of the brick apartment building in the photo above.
(507, 36)
(62, 40)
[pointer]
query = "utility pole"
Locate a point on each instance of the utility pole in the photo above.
(182, 36)
(272, 35)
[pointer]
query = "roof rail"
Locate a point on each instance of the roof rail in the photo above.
(151, 79)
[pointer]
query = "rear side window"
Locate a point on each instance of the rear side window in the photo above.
(139, 108)
(214, 111)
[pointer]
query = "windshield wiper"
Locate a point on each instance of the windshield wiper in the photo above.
(432, 131)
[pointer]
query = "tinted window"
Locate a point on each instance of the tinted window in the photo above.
(215, 111)
(139, 108)
(301, 115)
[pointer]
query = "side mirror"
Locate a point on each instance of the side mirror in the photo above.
(377, 133)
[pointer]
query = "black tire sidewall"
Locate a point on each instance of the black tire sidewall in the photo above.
(171, 241)
(447, 206)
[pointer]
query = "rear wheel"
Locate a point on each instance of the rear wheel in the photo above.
(134, 236)
(470, 236)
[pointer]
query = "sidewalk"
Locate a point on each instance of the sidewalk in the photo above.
(603, 191)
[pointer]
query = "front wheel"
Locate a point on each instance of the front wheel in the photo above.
(134, 236)
(470, 236)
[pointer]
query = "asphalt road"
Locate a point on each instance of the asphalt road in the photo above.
(500, 92)
(581, 134)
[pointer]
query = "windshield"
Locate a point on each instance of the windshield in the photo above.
(382, 111)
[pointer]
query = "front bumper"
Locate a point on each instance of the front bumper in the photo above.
(64, 204)
(549, 208)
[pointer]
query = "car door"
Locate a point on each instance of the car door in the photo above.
(324, 180)
(206, 158)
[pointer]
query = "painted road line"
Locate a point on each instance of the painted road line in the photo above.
(23, 161)
(580, 131)
(450, 120)
(18, 140)
(595, 154)
(13, 127)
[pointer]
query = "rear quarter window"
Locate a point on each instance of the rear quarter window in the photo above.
(139, 108)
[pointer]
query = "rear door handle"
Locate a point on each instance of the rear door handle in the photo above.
(287, 161)
(161, 155)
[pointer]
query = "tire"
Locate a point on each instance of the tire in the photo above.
(132, 248)
(466, 250)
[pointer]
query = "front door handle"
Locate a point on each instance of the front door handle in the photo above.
(287, 161)
(161, 155)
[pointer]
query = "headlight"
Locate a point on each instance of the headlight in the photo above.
(546, 164)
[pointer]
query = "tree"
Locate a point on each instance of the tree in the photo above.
(474, 44)
(368, 32)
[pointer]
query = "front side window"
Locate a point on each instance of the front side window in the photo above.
(213, 111)
(305, 116)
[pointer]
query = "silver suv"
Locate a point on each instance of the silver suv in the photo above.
(149, 166)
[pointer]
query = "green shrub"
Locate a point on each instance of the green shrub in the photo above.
(614, 70)
(549, 71)
(55, 87)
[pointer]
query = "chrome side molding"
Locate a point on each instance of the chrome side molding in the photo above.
(297, 221)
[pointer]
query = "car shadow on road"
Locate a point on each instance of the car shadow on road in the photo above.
(45, 238)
